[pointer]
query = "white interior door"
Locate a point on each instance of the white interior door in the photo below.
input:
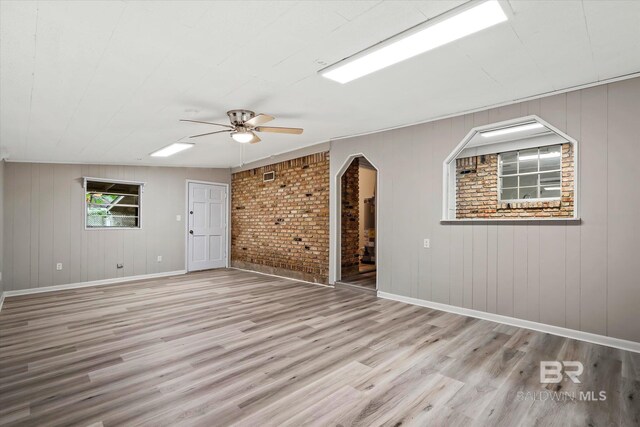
(207, 226)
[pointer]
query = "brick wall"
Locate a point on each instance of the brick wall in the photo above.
(477, 191)
(350, 219)
(282, 227)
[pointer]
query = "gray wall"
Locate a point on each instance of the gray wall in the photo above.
(1, 221)
(585, 276)
(44, 224)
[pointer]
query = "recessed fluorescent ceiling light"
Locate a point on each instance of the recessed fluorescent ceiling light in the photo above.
(511, 129)
(451, 26)
(172, 149)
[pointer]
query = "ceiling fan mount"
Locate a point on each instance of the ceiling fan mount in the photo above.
(243, 126)
(238, 117)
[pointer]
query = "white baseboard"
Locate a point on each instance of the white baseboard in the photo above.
(521, 323)
(88, 284)
(527, 324)
(282, 277)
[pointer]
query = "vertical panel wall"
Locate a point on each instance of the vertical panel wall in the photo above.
(583, 276)
(1, 222)
(44, 224)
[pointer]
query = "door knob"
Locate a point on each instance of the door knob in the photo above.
(191, 212)
(190, 231)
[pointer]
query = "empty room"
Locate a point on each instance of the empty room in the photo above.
(324, 213)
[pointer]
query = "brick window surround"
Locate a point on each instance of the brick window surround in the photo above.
(477, 191)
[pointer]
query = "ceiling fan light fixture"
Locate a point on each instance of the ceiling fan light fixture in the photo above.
(244, 125)
(243, 137)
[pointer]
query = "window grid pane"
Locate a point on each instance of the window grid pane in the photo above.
(112, 204)
(509, 168)
(531, 174)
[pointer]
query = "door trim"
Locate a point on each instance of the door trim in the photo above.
(186, 219)
(335, 210)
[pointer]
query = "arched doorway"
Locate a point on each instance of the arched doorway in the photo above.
(358, 237)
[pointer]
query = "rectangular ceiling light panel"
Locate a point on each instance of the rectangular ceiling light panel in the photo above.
(451, 26)
(512, 129)
(172, 149)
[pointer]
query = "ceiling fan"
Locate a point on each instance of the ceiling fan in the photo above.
(244, 125)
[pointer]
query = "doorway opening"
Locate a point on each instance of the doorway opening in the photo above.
(358, 241)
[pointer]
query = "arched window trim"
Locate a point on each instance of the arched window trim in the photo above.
(448, 173)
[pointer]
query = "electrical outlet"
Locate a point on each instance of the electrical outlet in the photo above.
(159, 258)
(427, 243)
(59, 266)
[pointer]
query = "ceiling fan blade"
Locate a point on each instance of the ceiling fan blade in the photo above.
(296, 131)
(259, 119)
(209, 133)
(255, 139)
(206, 123)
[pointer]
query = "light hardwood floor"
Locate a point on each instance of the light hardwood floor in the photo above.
(366, 277)
(366, 280)
(230, 347)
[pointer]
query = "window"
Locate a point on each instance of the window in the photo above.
(531, 174)
(522, 168)
(112, 204)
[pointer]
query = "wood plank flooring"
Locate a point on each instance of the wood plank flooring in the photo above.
(366, 277)
(366, 280)
(227, 347)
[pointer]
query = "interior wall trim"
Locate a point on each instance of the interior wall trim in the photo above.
(88, 284)
(335, 211)
(498, 105)
(451, 115)
(139, 164)
(521, 323)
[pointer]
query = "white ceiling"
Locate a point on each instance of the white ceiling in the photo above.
(106, 82)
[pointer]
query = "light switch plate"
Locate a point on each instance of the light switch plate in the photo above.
(159, 258)
(178, 217)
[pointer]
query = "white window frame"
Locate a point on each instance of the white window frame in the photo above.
(518, 175)
(112, 181)
(449, 175)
